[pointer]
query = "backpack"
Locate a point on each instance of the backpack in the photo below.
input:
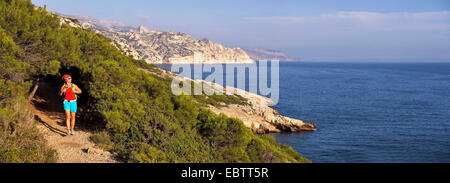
(73, 85)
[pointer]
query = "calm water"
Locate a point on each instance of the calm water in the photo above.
(368, 112)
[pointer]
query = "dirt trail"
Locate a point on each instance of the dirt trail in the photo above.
(77, 148)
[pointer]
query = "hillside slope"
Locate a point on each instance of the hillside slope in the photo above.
(137, 116)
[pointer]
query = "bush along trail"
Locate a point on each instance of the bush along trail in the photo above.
(130, 113)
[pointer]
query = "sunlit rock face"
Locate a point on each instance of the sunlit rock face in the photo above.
(162, 47)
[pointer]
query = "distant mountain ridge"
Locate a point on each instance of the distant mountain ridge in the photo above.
(162, 47)
(270, 55)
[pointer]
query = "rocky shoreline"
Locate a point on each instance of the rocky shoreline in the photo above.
(257, 115)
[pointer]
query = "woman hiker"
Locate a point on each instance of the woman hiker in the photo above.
(70, 102)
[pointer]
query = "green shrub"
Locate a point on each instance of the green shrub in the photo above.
(144, 153)
(102, 139)
(256, 150)
(220, 100)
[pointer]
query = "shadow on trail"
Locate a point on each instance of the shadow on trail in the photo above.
(50, 127)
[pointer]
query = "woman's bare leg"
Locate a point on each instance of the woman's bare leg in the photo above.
(68, 119)
(72, 120)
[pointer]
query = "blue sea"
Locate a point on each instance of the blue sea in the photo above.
(368, 112)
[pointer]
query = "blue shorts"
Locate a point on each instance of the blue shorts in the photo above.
(72, 105)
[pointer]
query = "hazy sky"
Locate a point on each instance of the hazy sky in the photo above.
(324, 30)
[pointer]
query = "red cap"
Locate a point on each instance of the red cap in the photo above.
(65, 76)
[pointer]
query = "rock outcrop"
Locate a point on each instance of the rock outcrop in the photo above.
(270, 55)
(162, 47)
(142, 29)
(257, 115)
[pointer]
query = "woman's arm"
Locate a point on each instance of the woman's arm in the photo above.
(77, 90)
(61, 91)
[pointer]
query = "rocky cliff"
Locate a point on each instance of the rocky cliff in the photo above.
(270, 55)
(259, 116)
(161, 47)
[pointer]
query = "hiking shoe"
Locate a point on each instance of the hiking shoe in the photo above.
(72, 132)
(69, 132)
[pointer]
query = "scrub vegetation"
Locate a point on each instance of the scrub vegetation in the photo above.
(141, 120)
